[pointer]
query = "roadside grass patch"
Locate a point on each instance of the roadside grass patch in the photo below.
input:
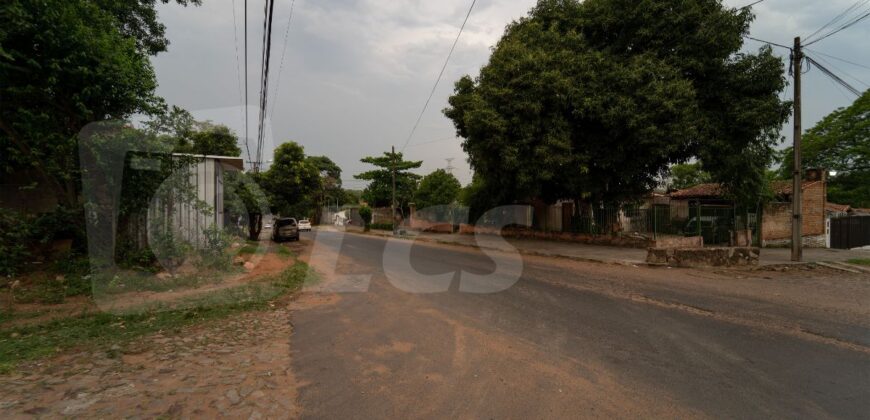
(860, 261)
(135, 281)
(253, 247)
(284, 252)
(31, 342)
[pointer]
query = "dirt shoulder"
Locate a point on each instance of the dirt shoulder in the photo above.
(231, 361)
(235, 368)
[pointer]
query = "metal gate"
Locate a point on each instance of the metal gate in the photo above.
(850, 232)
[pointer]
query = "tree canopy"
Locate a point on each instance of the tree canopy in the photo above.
(595, 100)
(330, 177)
(436, 189)
(63, 65)
(379, 191)
(292, 181)
(687, 175)
(840, 143)
(210, 139)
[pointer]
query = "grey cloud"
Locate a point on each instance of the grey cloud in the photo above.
(357, 72)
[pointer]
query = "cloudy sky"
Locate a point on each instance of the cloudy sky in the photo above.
(356, 73)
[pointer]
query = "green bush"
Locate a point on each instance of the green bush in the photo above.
(365, 212)
(15, 233)
(216, 254)
(24, 237)
(132, 256)
(170, 250)
(382, 226)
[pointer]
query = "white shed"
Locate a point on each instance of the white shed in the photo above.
(203, 206)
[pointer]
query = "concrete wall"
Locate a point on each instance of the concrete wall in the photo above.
(523, 233)
(704, 257)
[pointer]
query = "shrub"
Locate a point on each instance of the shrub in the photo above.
(365, 212)
(14, 235)
(216, 254)
(382, 226)
(170, 250)
(130, 255)
(23, 237)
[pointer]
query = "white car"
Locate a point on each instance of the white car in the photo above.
(305, 225)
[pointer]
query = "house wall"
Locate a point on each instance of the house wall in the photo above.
(776, 224)
(679, 209)
(814, 199)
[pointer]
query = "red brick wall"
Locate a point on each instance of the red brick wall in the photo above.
(814, 199)
(777, 216)
(776, 223)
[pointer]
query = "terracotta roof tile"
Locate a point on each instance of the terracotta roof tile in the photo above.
(780, 188)
(699, 191)
(837, 208)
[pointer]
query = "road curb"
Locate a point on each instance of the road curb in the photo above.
(625, 263)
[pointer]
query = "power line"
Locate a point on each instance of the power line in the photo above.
(239, 73)
(247, 135)
(269, 9)
(842, 71)
(283, 53)
(839, 89)
(440, 75)
(836, 78)
(842, 27)
(839, 59)
(750, 5)
(767, 42)
(836, 19)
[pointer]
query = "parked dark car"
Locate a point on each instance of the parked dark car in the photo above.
(285, 229)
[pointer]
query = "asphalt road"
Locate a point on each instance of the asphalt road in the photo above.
(572, 340)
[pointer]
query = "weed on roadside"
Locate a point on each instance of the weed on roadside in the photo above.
(284, 252)
(860, 261)
(31, 342)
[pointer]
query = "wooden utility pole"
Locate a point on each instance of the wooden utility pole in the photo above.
(393, 202)
(796, 195)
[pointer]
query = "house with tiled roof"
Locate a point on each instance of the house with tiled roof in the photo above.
(774, 225)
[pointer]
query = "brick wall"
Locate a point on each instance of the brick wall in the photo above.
(776, 223)
(777, 216)
(814, 200)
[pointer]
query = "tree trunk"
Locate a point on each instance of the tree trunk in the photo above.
(255, 226)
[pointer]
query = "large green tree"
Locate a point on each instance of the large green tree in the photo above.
(379, 191)
(594, 101)
(330, 183)
(437, 189)
(292, 182)
(840, 142)
(63, 65)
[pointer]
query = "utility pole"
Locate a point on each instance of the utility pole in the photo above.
(393, 202)
(796, 199)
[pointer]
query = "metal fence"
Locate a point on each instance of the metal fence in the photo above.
(714, 223)
(850, 232)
